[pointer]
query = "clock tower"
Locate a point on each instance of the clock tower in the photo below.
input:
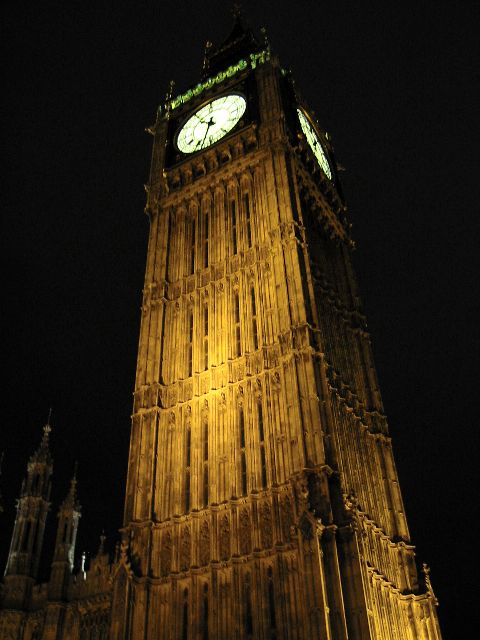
(262, 497)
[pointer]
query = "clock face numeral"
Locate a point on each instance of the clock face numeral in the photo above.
(315, 144)
(210, 123)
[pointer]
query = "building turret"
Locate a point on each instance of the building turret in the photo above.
(63, 556)
(28, 531)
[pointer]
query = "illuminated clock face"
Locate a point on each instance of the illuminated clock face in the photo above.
(210, 123)
(315, 144)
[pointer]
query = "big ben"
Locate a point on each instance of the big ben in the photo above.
(262, 497)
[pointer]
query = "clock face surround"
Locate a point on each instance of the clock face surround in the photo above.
(210, 123)
(315, 144)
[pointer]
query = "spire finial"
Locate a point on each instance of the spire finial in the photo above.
(47, 428)
(208, 46)
(266, 41)
(101, 550)
(43, 453)
(73, 481)
(237, 10)
(426, 572)
(169, 94)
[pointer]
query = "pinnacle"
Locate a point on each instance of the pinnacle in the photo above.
(73, 483)
(71, 498)
(42, 454)
(237, 11)
(101, 547)
(47, 430)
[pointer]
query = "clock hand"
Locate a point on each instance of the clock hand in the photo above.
(210, 122)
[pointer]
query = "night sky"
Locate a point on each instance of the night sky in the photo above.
(393, 83)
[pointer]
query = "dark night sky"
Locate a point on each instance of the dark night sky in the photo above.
(394, 85)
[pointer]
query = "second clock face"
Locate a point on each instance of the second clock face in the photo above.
(314, 142)
(210, 123)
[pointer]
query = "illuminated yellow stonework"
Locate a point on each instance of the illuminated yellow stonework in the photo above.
(262, 496)
(262, 499)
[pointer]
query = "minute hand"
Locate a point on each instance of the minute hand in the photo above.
(206, 132)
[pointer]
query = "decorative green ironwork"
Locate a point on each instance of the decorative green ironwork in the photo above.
(253, 61)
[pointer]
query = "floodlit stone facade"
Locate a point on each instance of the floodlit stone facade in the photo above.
(262, 497)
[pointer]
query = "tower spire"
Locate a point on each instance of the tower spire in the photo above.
(27, 537)
(68, 516)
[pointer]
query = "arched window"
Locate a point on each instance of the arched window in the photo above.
(236, 317)
(261, 438)
(248, 618)
(190, 344)
(254, 318)
(243, 460)
(205, 464)
(185, 615)
(205, 441)
(206, 234)
(233, 220)
(193, 239)
(205, 337)
(241, 421)
(188, 446)
(188, 439)
(26, 535)
(271, 604)
(205, 613)
(248, 218)
(169, 246)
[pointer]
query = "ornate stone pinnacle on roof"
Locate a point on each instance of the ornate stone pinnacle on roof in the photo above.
(237, 10)
(266, 41)
(47, 428)
(101, 548)
(73, 481)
